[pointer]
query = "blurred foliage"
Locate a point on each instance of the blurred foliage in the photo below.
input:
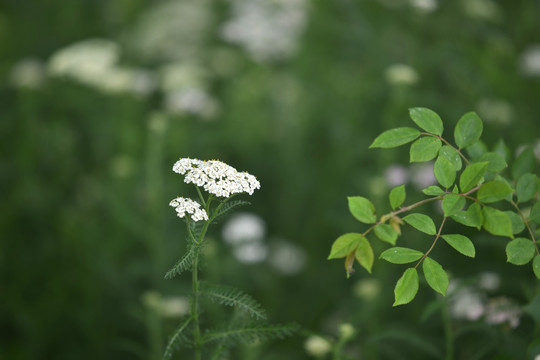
(85, 227)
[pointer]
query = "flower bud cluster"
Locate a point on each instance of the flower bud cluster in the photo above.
(216, 177)
(183, 206)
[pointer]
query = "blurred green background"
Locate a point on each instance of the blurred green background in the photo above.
(98, 99)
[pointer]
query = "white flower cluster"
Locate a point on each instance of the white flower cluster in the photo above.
(183, 206)
(216, 177)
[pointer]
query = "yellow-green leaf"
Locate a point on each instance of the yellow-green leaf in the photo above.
(406, 287)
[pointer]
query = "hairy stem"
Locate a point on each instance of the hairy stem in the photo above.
(195, 306)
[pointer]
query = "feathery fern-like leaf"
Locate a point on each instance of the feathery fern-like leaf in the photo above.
(250, 334)
(228, 207)
(183, 264)
(230, 296)
(175, 340)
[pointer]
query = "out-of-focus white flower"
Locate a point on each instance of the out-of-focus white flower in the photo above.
(496, 111)
(250, 253)
(85, 60)
(184, 205)
(530, 61)
(367, 289)
(93, 62)
(286, 257)
(267, 29)
(191, 101)
(401, 74)
(216, 177)
(243, 227)
(501, 310)
(395, 175)
(245, 233)
(184, 84)
(317, 346)
(28, 73)
(466, 303)
(174, 306)
(482, 9)
(489, 281)
(422, 175)
(424, 6)
(172, 30)
(346, 331)
(537, 357)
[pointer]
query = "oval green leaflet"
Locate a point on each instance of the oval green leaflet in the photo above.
(427, 120)
(406, 287)
(435, 275)
(395, 137)
(362, 209)
(520, 251)
(421, 222)
(400, 255)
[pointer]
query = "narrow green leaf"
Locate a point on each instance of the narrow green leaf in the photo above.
(452, 203)
(406, 287)
(450, 154)
(183, 264)
(362, 209)
(421, 222)
(461, 243)
(471, 217)
(400, 255)
(527, 186)
(444, 172)
(472, 175)
(424, 149)
(468, 130)
(494, 191)
(175, 339)
(395, 137)
(435, 275)
(536, 266)
(495, 161)
(427, 120)
(535, 213)
(397, 196)
(520, 251)
(344, 244)
(386, 233)
(517, 223)
(524, 163)
(364, 254)
(496, 222)
(230, 296)
(433, 191)
(251, 334)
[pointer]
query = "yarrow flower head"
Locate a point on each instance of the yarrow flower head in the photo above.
(216, 177)
(183, 206)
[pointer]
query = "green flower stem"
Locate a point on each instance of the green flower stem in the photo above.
(433, 244)
(194, 308)
(448, 331)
